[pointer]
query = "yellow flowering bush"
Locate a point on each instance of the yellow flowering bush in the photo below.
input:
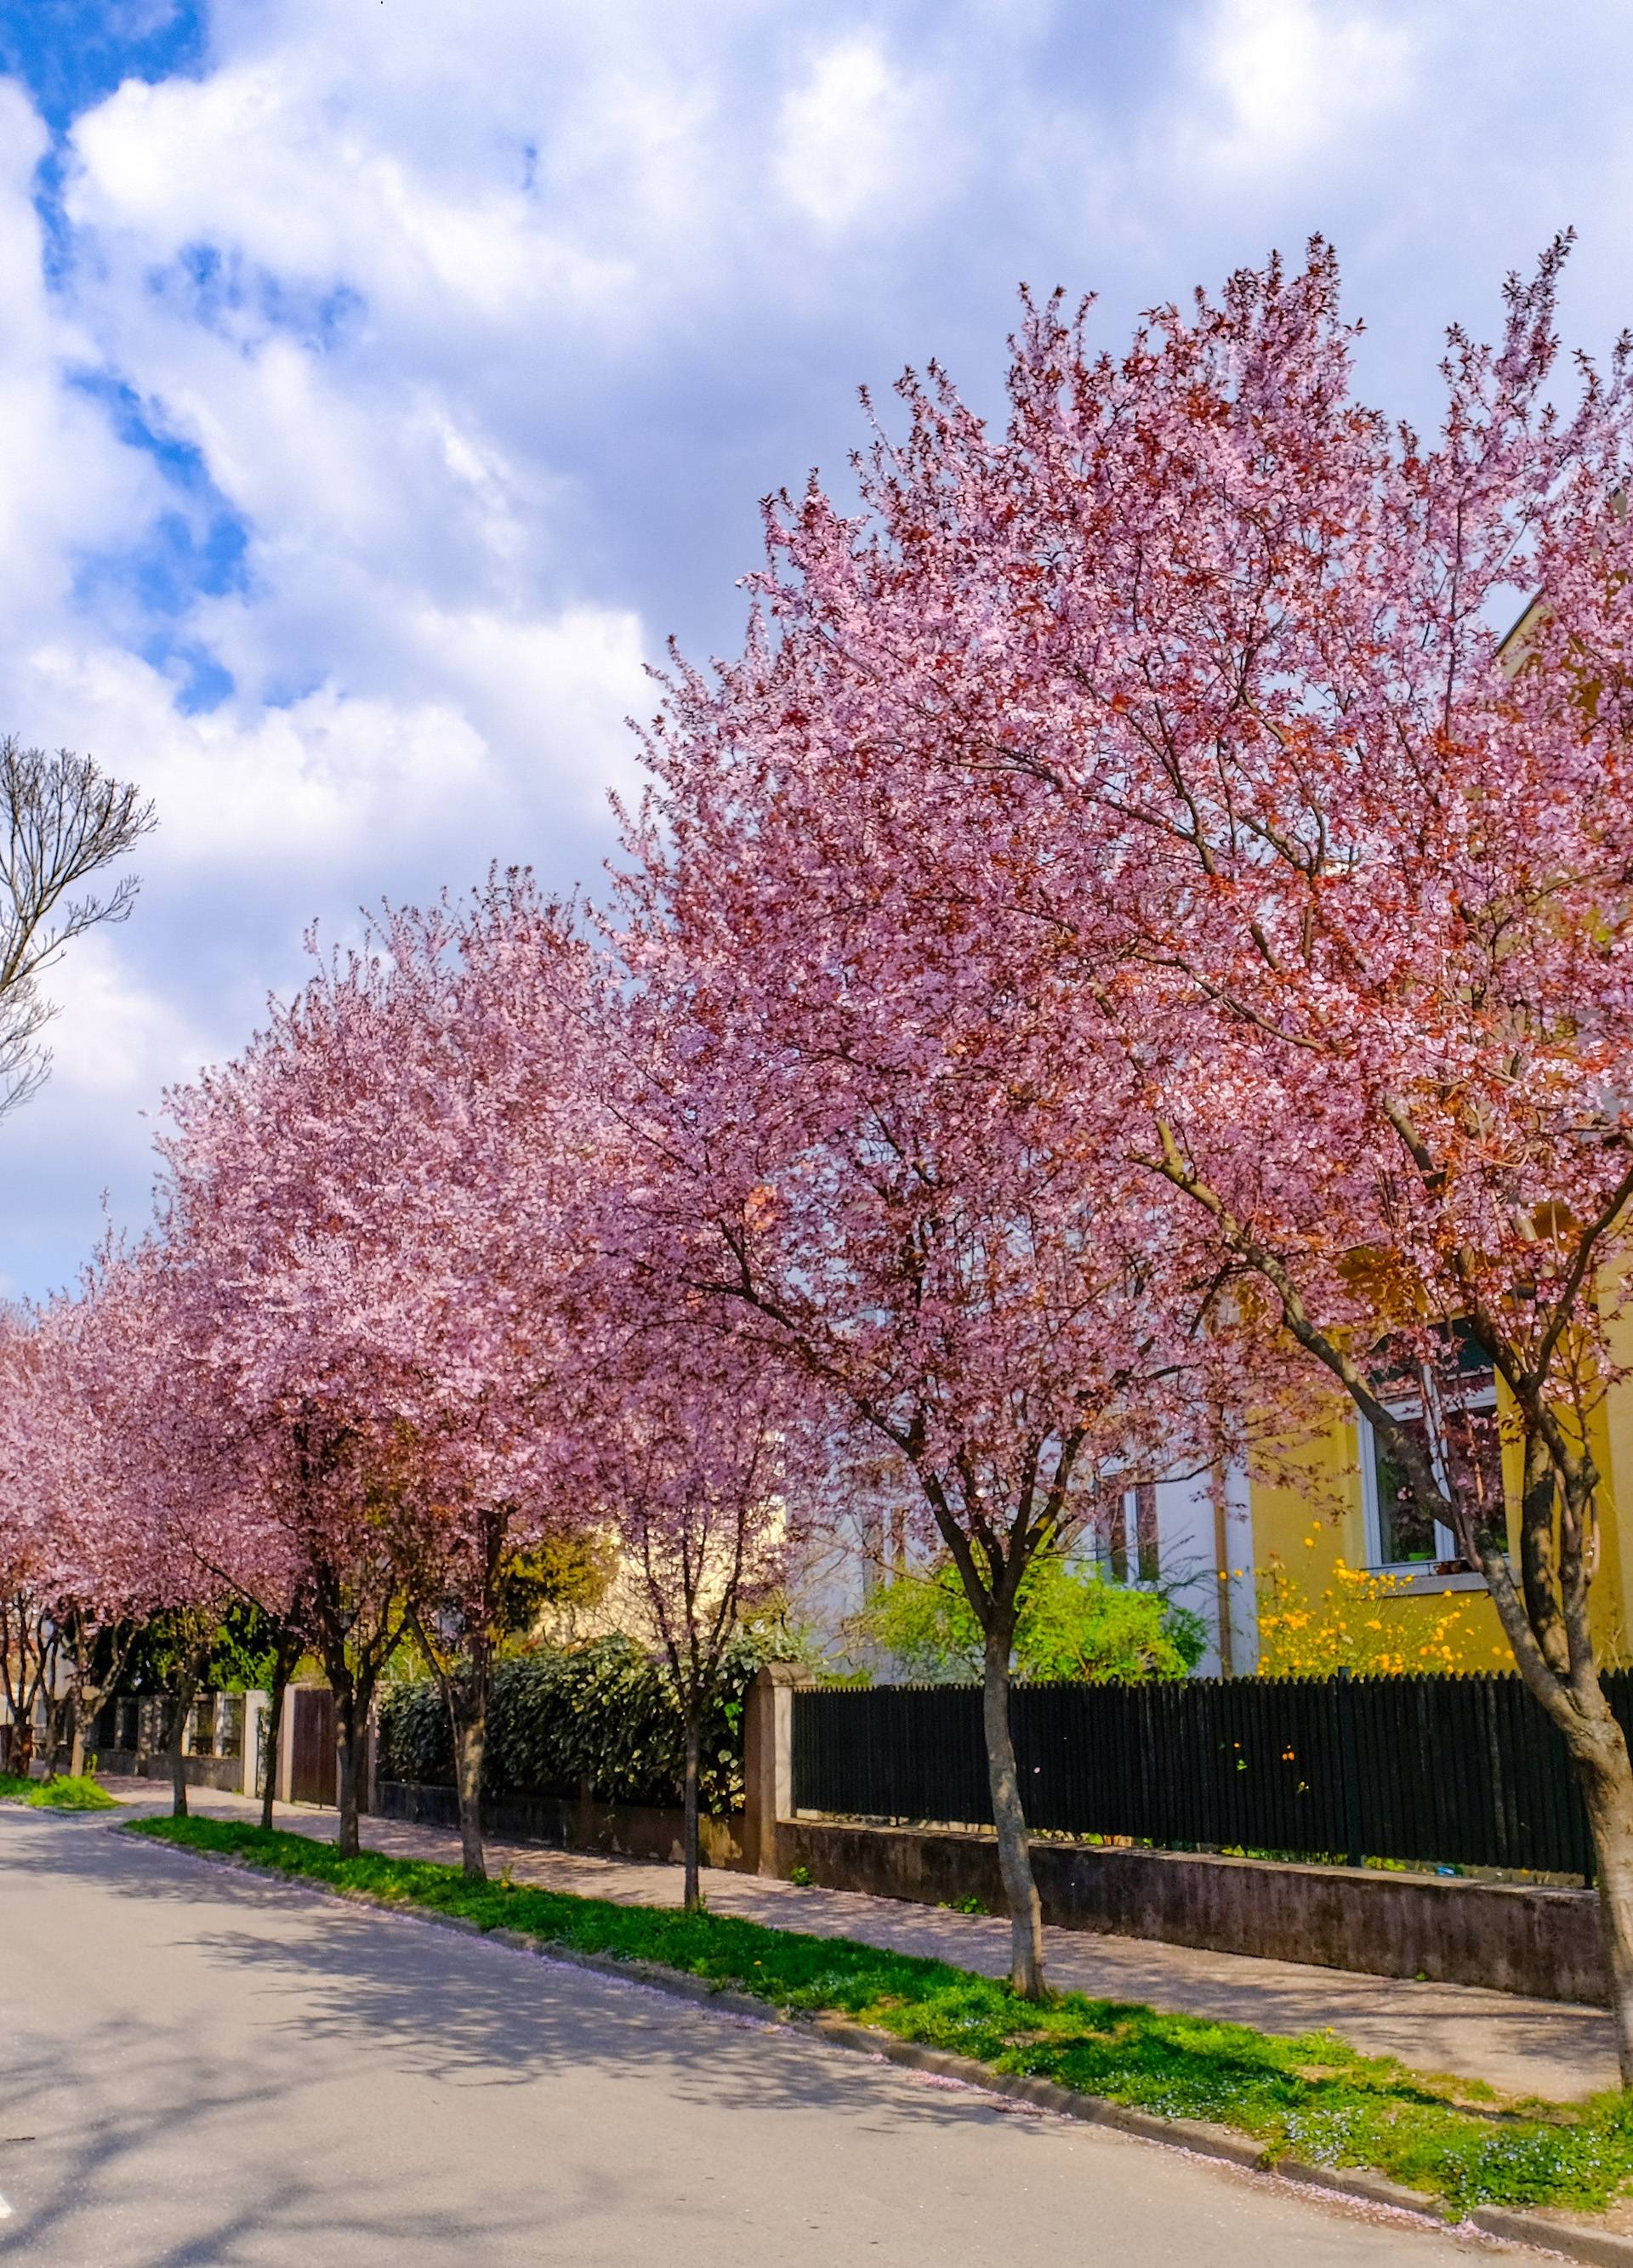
(1359, 1622)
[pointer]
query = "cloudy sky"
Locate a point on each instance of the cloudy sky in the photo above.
(382, 381)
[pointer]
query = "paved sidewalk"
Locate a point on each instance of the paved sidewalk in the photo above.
(1540, 2047)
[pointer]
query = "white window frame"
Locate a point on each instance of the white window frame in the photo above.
(1447, 1546)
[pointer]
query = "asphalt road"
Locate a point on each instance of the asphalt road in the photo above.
(199, 2068)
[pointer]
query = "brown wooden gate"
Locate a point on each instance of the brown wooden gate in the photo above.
(312, 1745)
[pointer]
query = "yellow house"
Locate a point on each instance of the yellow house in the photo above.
(1336, 1567)
(1333, 1566)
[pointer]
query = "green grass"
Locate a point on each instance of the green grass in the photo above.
(1314, 2098)
(63, 1793)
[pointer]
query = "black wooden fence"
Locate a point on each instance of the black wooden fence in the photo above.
(1451, 1771)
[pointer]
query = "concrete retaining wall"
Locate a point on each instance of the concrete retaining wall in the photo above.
(199, 1771)
(566, 1823)
(1511, 1938)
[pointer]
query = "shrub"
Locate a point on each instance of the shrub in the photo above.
(604, 1714)
(1365, 1621)
(60, 1792)
(1073, 1628)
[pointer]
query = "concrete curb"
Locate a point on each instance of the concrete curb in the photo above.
(1599, 2248)
(1595, 2248)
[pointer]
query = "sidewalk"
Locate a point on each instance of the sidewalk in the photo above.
(1549, 2048)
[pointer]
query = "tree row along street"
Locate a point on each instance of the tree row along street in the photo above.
(1135, 954)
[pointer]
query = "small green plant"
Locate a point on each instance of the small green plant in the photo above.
(802, 1877)
(1315, 2098)
(61, 1794)
(1074, 1627)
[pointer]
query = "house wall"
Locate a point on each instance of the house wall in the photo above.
(1315, 1519)
(1614, 1449)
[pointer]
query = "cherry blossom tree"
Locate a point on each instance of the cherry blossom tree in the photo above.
(842, 1098)
(707, 1470)
(281, 1170)
(1201, 664)
(83, 1517)
(509, 1352)
(106, 1466)
(369, 1207)
(27, 1624)
(166, 1478)
(86, 1477)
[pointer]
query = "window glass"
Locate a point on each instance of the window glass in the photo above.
(1462, 1443)
(1406, 1535)
(1117, 1537)
(1145, 1531)
(1475, 1457)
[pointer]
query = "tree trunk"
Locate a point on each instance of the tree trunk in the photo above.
(348, 1754)
(1600, 1756)
(283, 1669)
(60, 1721)
(187, 1686)
(471, 1743)
(689, 1813)
(1015, 1863)
(87, 1704)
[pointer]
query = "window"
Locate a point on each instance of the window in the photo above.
(1455, 1422)
(1132, 1544)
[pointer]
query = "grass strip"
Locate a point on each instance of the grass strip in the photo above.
(1315, 2098)
(63, 1793)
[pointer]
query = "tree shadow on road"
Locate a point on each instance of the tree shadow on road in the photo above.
(119, 2102)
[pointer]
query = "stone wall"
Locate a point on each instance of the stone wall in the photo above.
(565, 1824)
(1512, 1938)
(143, 1763)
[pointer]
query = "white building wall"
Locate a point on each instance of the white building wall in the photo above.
(1188, 1539)
(1242, 1585)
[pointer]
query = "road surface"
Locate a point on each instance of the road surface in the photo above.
(205, 2070)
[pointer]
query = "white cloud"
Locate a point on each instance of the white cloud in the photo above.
(861, 143)
(66, 485)
(254, 159)
(1296, 75)
(489, 336)
(513, 713)
(115, 1038)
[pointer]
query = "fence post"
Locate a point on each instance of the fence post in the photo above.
(282, 1764)
(768, 1761)
(1348, 1767)
(256, 1703)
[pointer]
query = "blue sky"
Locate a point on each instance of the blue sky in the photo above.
(383, 384)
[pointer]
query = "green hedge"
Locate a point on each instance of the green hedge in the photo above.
(604, 1713)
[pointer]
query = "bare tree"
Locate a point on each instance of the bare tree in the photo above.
(62, 820)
